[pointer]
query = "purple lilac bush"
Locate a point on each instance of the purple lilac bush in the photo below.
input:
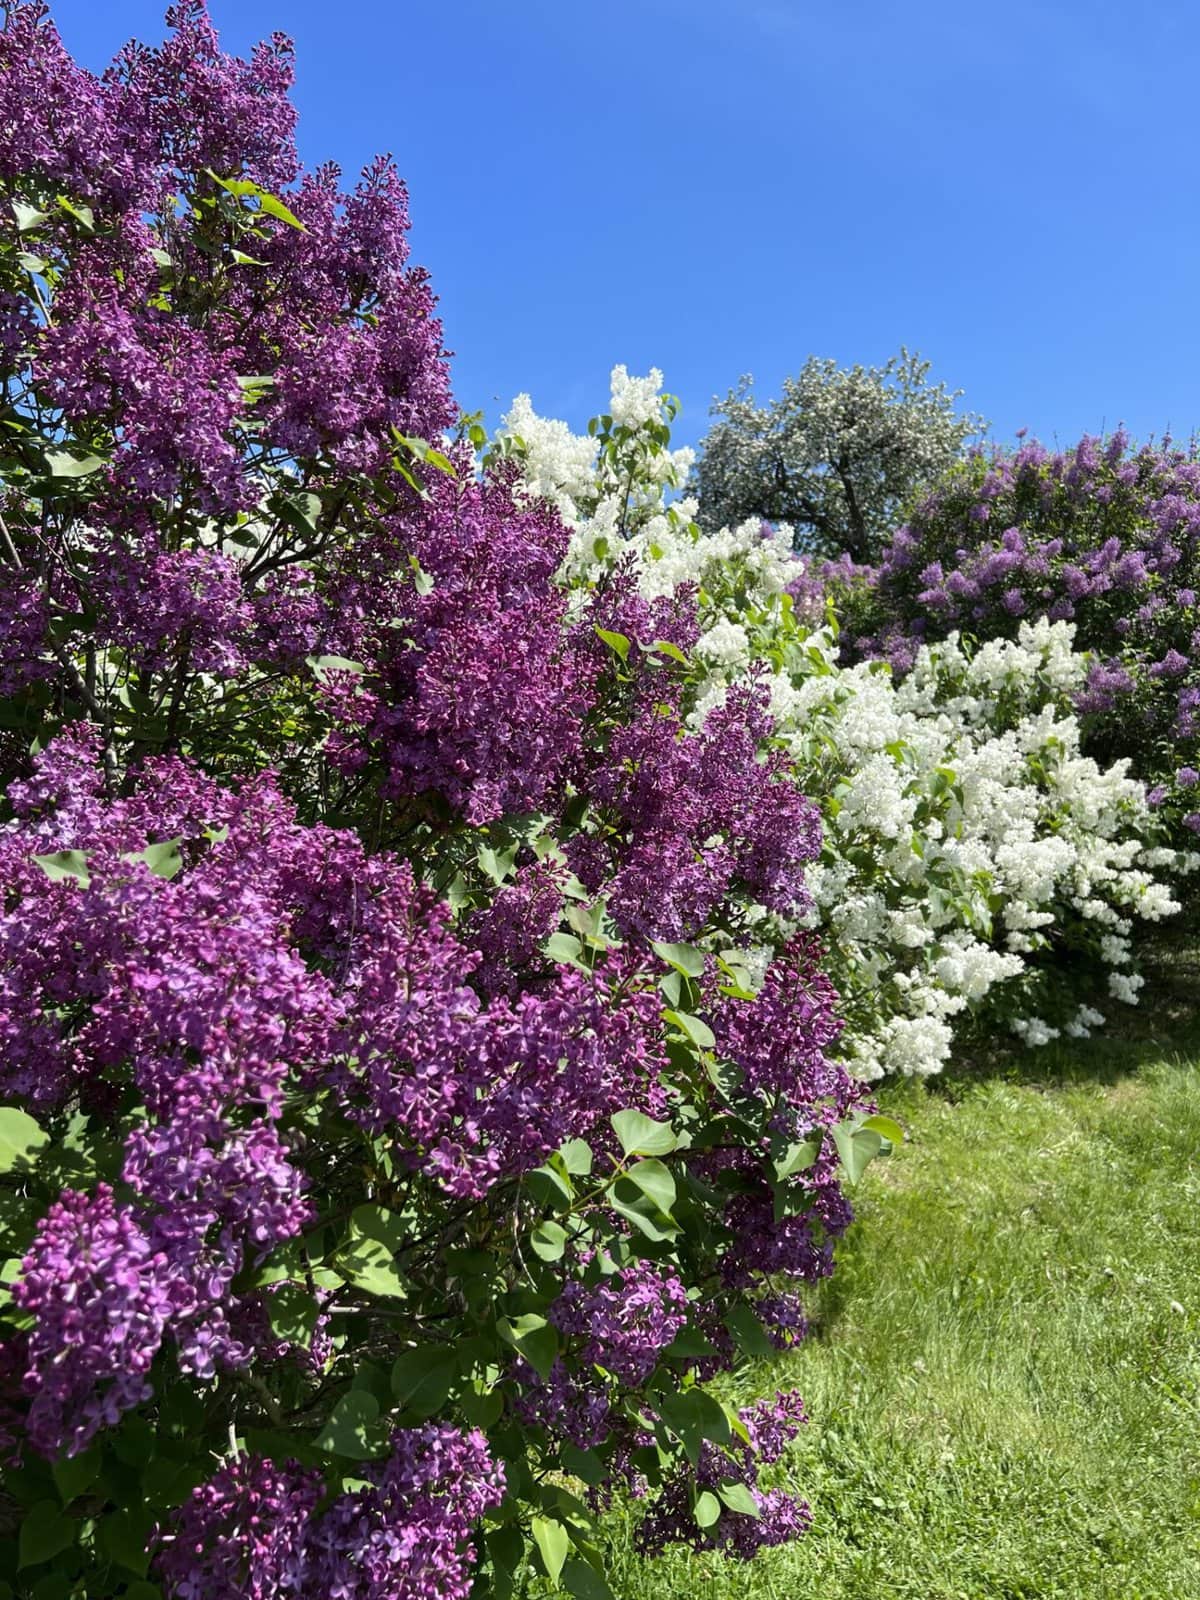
(1105, 535)
(394, 1142)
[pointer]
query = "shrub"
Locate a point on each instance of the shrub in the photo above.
(1106, 535)
(975, 867)
(398, 1137)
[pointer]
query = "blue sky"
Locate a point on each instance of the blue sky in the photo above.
(725, 186)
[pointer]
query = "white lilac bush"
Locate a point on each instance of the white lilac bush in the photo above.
(976, 868)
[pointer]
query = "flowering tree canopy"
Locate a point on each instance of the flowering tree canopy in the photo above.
(837, 455)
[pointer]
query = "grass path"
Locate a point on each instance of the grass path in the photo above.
(1004, 1380)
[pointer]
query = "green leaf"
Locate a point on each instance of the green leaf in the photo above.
(587, 921)
(28, 216)
(45, 1532)
(65, 864)
(534, 1337)
(124, 1537)
(695, 1417)
(664, 647)
(270, 204)
(497, 864)
(322, 666)
(293, 1314)
(700, 1034)
(584, 1582)
(20, 1138)
(886, 1127)
(348, 1431)
(656, 1182)
(615, 641)
(585, 1464)
(61, 464)
(706, 1510)
(749, 1332)
(367, 1257)
(857, 1147)
(641, 1135)
(82, 214)
(31, 263)
(738, 1498)
(796, 1158)
(552, 1188)
(647, 1219)
(549, 1240)
(684, 958)
(302, 512)
(577, 1157)
(274, 207)
(690, 1343)
(422, 1377)
(163, 859)
(506, 1548)
(564, 947)
(255, 388)
(74, 1474)
(553, 1541)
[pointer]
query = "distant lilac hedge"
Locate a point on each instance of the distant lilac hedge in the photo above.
(1106, 536)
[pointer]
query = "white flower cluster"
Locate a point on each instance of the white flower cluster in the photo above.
(968, 843)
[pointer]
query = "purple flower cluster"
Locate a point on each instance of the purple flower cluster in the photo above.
(313, 1066)
(624, 1321)
(684, 818)
(194, 348)
(99, 1296)
(478, 697)
(253, 1531)
(214, 994)
(782, 1517)
(779, 1038)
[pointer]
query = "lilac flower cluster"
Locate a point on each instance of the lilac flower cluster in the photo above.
(194, 348)
(624, 1321)
(782, 1517)
(94, 1285)
(1105, 535)
(478, 698)
(683, 818)
(252, 973)
(253, 1531)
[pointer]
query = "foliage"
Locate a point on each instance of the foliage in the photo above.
(391, 1157)
(975, 867)
(836, 456)
(1106, 535)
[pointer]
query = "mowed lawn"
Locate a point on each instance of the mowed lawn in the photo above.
(1004, 1377)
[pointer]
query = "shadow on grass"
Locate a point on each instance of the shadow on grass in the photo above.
(1164, 1025)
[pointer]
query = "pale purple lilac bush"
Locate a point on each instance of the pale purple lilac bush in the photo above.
(1106, 536)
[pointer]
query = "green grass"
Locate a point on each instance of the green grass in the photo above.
(1004, 1379)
